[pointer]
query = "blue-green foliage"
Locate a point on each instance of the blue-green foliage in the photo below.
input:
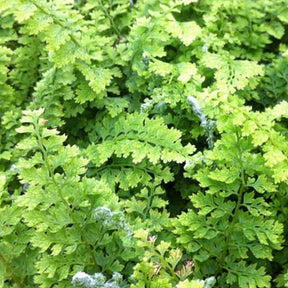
(143, 143)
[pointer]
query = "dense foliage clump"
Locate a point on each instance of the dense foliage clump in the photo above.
(143, 143)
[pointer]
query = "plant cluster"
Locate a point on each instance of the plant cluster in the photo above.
(143, 144)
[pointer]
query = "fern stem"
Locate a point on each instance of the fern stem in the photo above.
(243, 184)
(235, 213)
(110, 19)
(148, 206)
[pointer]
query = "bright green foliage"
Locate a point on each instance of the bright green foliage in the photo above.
(60, 206)
(233, 74)
(138, 137)
(232, 210)
(123, 119)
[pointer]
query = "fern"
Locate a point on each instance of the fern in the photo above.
(227, 211)
(68, 229)
(168, 117)
(140, 141)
